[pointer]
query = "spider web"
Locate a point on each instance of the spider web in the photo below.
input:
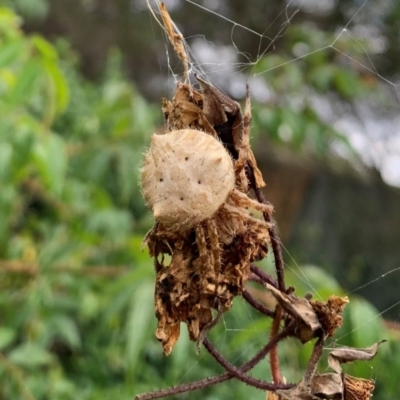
(372, 134)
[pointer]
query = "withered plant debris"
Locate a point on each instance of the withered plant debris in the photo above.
(343, 355)
(197, 178)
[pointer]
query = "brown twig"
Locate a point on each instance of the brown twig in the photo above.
(274, 357)
(201, 384)
(313, 361)
(257, 305)
(264, 277)
(239, 374)
(275, 242)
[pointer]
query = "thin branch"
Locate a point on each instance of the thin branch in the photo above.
(237, 373)
(201, 384)
(257, 305)
(265, 278)
(274, 357)
(275, 242)
(313, 361)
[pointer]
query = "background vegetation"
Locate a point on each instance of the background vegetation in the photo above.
(76, 308)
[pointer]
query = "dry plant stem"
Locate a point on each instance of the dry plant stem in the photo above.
(257, 305)
(207, 328)
(176, 39)
(275, 242)
(264, 277)
(237, 373)
(313, 361)
(201, 384)
(274, 358)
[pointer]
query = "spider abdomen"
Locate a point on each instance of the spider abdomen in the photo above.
(186, 176)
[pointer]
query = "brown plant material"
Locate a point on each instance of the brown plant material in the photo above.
(203, 220)
(196, 179)
(329, 313)
(327, 386)
(357, 388)
(301, 310)
(176, 39)
(349, 354)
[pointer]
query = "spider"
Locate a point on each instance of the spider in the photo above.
(194, 178)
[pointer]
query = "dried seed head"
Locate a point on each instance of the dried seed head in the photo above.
(186, 176)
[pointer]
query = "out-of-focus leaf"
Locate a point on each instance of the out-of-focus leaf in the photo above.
(139, 318)
(6, 152)
(11, 51)
(365, 321)
(322, 76)
(65, 328)
(59, 88)
(7, 336)
(25, 83)
(347, 83)
(31, 355)
(44, 47)
(51, 160)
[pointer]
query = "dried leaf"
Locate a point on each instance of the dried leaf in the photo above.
(301, 310)
(327, 386)
(349, 354)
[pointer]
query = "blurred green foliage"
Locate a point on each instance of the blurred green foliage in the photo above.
(293, 115)
(76, 292)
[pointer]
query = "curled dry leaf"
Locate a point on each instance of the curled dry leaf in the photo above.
(349, 354)
(327, 386)
(301, 310)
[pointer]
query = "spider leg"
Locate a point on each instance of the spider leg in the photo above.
(246, 216)
(242, 200)
(244, 145)
(213, 235)
(202, 246)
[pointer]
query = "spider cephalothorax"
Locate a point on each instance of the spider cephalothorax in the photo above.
(195, 182)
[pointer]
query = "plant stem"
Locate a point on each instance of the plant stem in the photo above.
(257, 305)
(201, 384)
(274, 357)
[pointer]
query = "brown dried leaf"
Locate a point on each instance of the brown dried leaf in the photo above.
(184, 110)
(301, 310)
(327, 386)
(349, 354)
(357, 388)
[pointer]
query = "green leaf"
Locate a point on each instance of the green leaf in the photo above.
(59, 93)
(140, 316)
(51, 160)
(11, 51)
(65, 328)
(45, 48)
(7, 336)
(31, 355)
(347, 83)
(25, 83)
